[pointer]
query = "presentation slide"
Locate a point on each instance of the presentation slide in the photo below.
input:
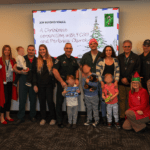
(54, 28)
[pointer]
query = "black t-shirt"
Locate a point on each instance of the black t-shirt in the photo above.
(45, 78)
(108, 69)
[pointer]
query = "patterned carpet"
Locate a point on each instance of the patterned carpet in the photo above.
(32, 136)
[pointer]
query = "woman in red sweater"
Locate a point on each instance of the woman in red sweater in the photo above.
(7, 90)
(138, 113)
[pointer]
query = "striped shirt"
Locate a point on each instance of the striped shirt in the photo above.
(100, 66)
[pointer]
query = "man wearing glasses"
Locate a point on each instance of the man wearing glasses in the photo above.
(64, 65)
(129, 63)
(145, 64)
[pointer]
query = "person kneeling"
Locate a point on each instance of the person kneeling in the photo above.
(138, 113)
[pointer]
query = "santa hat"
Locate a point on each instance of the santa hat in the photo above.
(93, 40)
(136, 77)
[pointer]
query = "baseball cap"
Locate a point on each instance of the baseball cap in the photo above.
(146, 42)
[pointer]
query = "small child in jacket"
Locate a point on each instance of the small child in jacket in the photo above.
(110, 94)
(21, 63)
(71, 92)
(90, 95)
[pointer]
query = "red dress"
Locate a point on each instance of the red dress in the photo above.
(3, 78)
(139, 101)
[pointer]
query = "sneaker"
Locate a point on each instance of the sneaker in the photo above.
(74, 126)
(68, 125)
(42, 122)
(52, 122)
(109, 125)
(117, 125)
(88, 123)
(28, 84)
(95, 124)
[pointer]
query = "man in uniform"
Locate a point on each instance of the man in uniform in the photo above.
(129, 63)
(24, 90)
(145, 63)
(64, 65)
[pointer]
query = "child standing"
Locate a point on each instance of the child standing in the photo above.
(71, 93)
(90, 96)
(21, 63)
(110, 96)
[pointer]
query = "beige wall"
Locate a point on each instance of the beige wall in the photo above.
(16, 26)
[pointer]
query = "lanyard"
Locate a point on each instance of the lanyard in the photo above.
(7, 65)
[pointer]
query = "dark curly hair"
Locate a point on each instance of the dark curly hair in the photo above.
(103, 55)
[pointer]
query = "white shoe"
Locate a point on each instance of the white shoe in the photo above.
(42, 122)
(52, 122)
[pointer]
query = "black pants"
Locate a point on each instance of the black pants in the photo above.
(59, 102)
(29, 76)
(8, 97)
(46, 94)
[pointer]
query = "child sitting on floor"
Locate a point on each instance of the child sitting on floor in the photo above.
(71, 92)
(90, 95)
(110, 96)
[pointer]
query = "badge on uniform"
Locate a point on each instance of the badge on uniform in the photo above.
(56, 61)
(64, 62)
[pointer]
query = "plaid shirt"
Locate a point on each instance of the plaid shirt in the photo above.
(100, 66)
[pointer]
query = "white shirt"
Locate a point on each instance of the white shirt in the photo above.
(21, 62)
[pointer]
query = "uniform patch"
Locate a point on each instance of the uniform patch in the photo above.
(56, 61)
(64, 62)
(138, 97)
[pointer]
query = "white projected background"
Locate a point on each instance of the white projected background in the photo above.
(54, 28)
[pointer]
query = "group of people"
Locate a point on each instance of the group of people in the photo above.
(113, 84)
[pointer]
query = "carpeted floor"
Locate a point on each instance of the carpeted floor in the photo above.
(32, 136)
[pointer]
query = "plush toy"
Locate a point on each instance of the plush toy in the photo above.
(108, 96)
(92, 78)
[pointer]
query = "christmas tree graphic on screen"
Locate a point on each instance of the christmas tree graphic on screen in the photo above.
(109, 20)
(96, 34)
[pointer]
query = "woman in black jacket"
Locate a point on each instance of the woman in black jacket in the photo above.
(43, 83)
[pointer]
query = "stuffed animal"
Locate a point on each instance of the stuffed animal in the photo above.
(92, 78)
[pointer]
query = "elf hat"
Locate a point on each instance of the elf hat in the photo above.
(136, 77)
(93, 40)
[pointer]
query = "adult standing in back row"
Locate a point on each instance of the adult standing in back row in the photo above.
(129, 63)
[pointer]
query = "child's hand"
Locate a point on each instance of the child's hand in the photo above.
(103, 97)
(78, 91)
(64, 92)
(91, 90)
(111, 98)
(27, 69)
(87, 80)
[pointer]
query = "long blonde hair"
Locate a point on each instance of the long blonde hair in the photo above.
(3, 55)
(48, 60)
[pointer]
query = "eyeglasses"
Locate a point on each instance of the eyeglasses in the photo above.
(127, 46)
